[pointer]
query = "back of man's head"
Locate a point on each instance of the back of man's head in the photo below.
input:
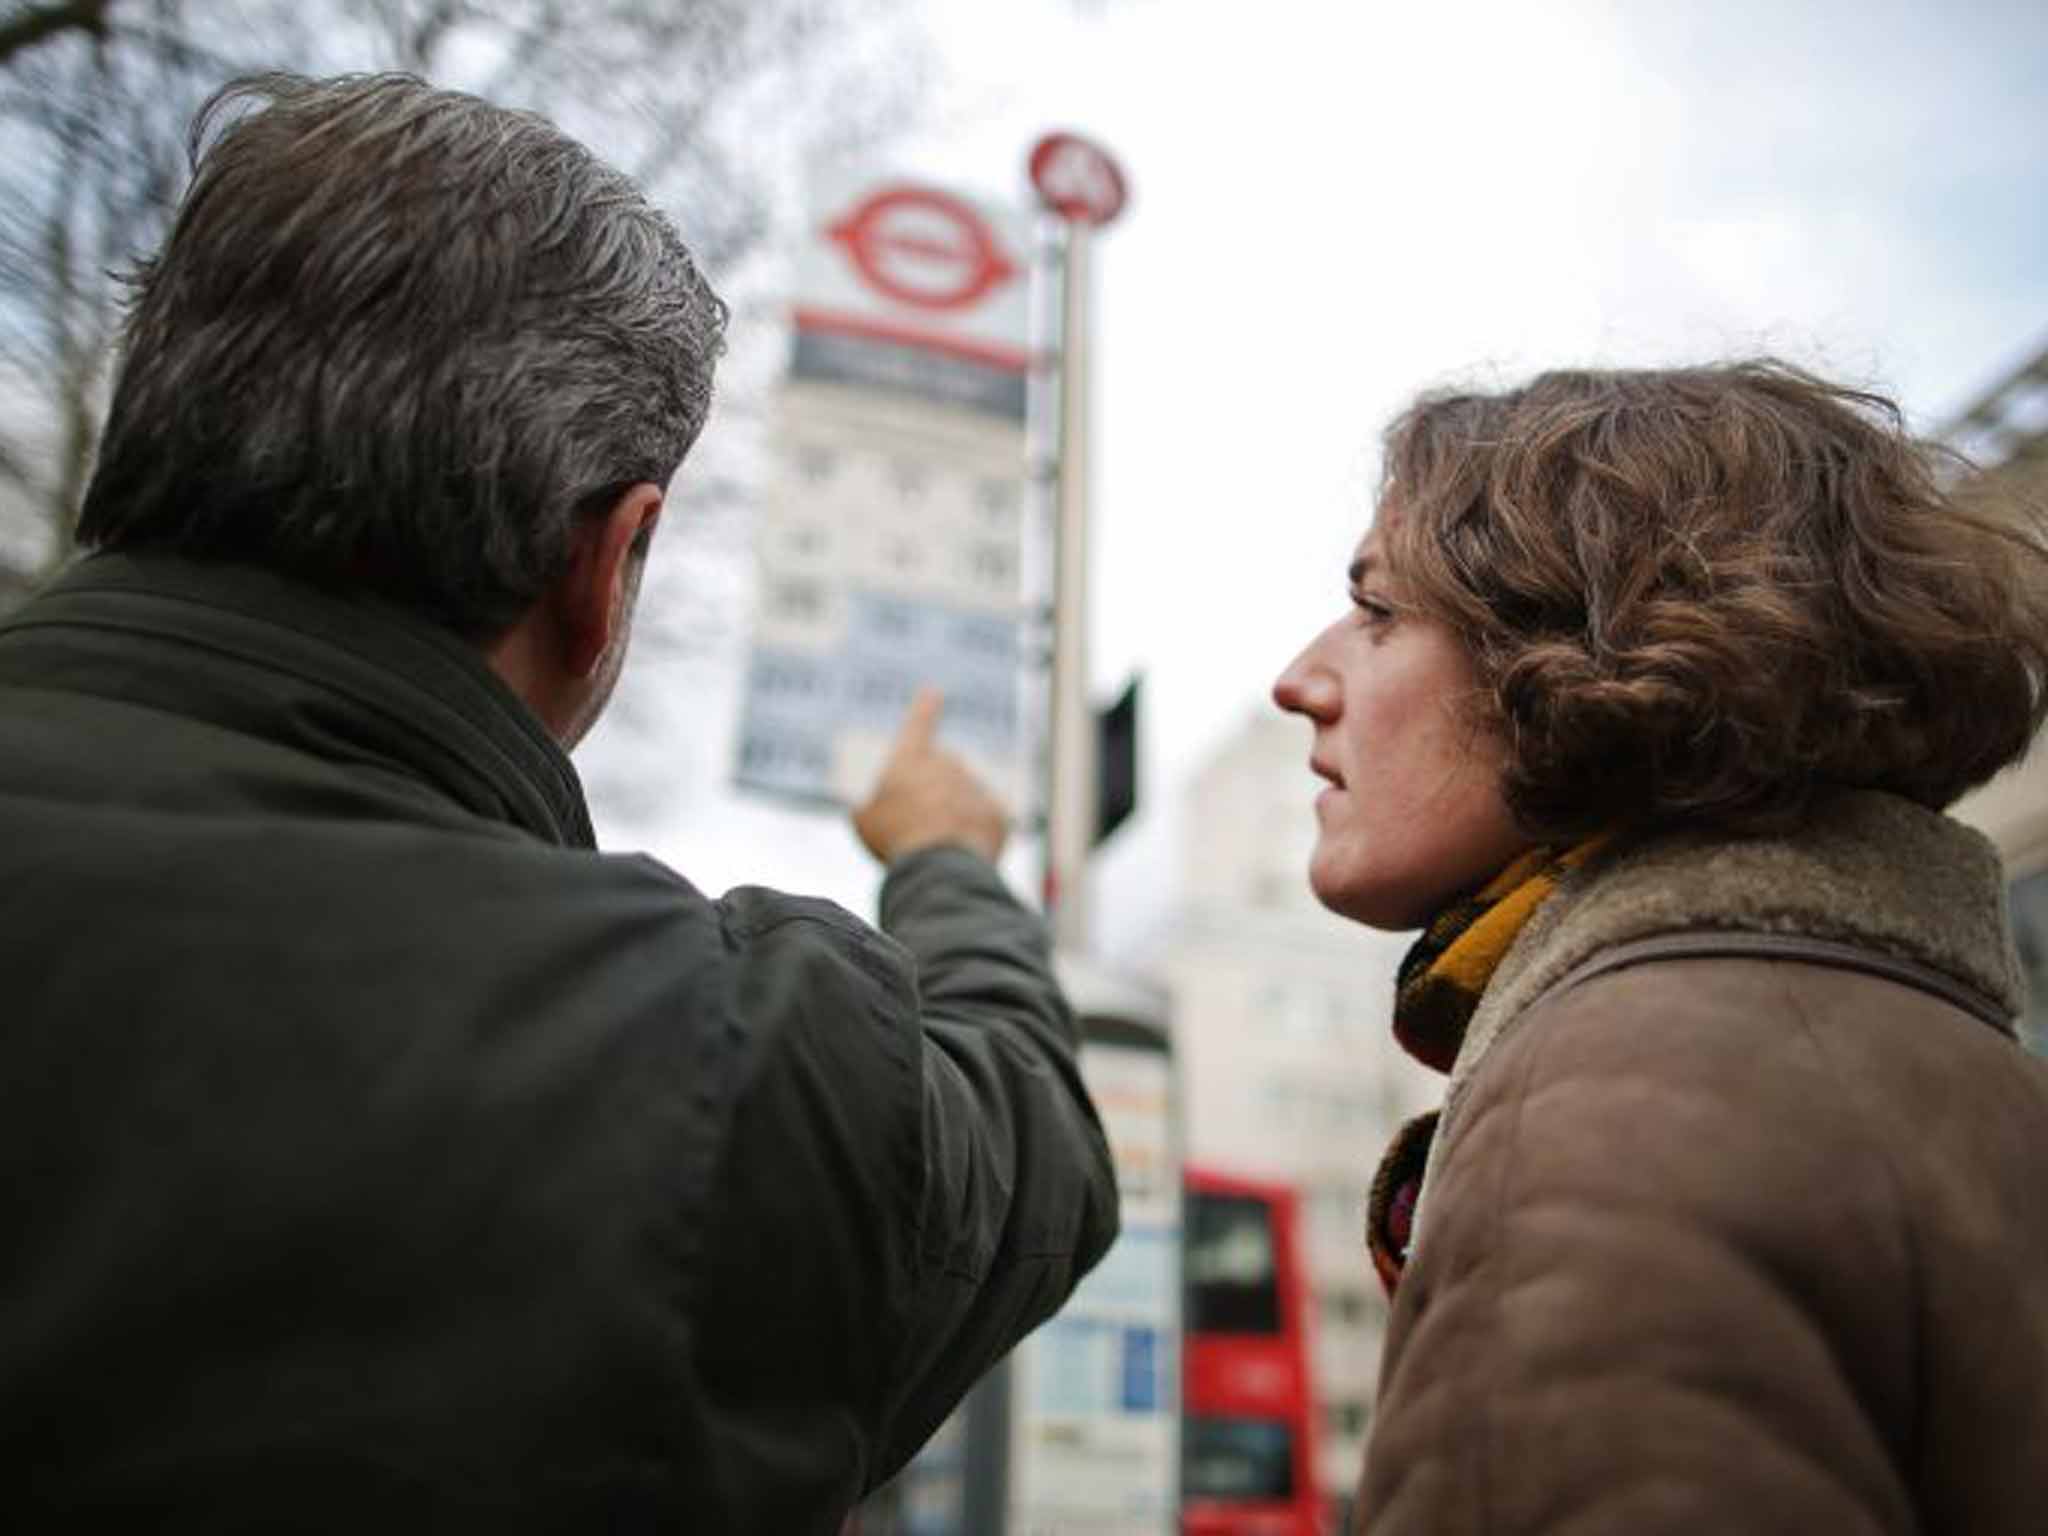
(398, 341)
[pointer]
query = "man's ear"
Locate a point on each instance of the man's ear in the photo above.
(594, 596)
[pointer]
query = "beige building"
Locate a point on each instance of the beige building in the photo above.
(2013, 811)
(1288, 1068)
(2005, 432)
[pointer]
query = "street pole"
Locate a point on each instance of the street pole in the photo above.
(1070, 811)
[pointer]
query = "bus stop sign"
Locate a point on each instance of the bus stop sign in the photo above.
(1077, 179)
(922, 247)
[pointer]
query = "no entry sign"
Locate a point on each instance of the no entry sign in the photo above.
(1077, 179)
(923, 247)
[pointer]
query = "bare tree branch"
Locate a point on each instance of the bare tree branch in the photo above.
(718, 107)
(39, 23)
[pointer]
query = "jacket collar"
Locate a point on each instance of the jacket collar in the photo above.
(1865, 869)
(340, 676)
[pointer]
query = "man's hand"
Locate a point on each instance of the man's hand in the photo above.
(926, 796)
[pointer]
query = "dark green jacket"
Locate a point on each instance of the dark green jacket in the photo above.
(379, 1152)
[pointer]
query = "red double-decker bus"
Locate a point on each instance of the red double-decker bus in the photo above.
(1247, 1396)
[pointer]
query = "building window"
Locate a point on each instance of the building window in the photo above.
(1336, 1213)
(788, 678)
(996, 498)
(815, 463)
(1236, 1460)
(1344, 1308)
(994, 565)
(1270, 888)
(1313, 1108)
(796, 600)
(910, 478)
(1232, 1281)
(1345, 1418)
(1294, 1011)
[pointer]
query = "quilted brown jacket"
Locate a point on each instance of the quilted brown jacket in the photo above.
(1737, 1216)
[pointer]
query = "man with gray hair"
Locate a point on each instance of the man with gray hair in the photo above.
(381, 1152)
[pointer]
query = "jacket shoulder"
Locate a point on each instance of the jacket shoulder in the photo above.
(755, 917)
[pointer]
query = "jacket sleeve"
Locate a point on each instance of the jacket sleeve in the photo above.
(914, 1176)
(1656, 1286)
(1018, 1197)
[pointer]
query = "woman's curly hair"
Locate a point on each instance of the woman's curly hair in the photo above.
(1703, 594)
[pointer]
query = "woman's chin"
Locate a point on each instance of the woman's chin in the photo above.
(1369, 905)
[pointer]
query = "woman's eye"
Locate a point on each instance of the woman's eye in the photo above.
(1372, 609)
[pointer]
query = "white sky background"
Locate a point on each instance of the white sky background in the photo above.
(1337, 204)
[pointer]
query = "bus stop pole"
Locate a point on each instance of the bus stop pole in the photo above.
(1070, 813)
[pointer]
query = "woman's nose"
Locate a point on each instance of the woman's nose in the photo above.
(1307, 687)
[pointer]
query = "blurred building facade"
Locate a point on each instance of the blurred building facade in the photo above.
(2005, 433)
(1287, 1065)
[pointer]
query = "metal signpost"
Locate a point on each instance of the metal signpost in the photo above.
(1081, 184)
(1093, 1396)
(891, 551)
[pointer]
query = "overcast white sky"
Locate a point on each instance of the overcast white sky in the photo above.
(1335, 205)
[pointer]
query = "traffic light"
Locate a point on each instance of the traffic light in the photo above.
(1116, 762)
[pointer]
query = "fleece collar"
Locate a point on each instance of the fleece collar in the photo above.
(1866, 874)
(1867, 869)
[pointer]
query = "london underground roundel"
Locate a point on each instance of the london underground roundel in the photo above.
(922, 247)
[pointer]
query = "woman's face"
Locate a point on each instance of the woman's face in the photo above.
(1413, 813)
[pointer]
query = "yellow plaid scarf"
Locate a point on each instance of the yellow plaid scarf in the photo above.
(1444, 973)
(1438, 986)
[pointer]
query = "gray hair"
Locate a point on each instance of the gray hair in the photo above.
(399, 340)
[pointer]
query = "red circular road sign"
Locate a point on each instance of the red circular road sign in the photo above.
(1077, 179)
(920, 246)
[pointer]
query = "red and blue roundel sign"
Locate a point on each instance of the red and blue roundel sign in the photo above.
(922, 247)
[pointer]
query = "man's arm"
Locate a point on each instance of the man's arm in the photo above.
(914, 1175)
(1019, 1197)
